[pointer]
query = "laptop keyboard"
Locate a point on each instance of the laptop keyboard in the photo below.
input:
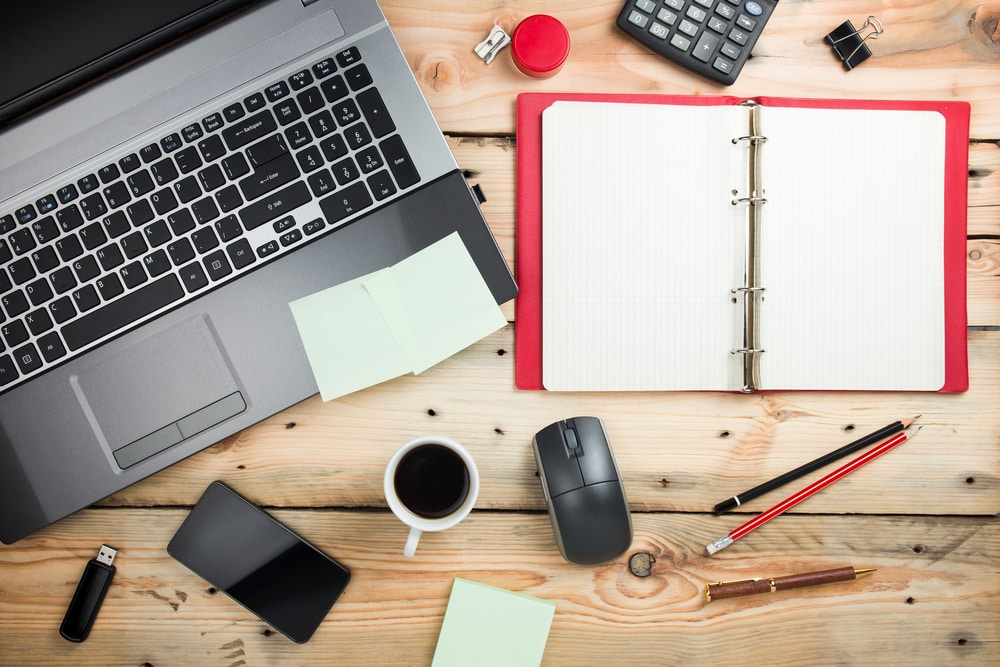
(198, 206)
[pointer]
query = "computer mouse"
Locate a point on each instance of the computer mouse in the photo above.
(583, 490)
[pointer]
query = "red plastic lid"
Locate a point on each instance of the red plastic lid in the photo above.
(540, 45)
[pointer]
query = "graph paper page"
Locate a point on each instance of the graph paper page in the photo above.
(641, 245)
(852, 249)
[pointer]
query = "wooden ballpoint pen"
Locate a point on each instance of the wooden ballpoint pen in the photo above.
(731, 589)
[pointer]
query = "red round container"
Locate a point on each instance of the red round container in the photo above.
(539, 46)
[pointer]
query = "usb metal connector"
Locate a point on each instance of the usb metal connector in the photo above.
(106, 555)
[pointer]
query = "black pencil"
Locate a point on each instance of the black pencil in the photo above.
(870, 439)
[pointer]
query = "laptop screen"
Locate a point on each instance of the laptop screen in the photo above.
(49, 48)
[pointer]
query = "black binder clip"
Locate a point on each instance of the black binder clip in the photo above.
(849, 44)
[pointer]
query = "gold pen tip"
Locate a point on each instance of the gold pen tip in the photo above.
(860, 572)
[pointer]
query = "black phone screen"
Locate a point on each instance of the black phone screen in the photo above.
(257, 561)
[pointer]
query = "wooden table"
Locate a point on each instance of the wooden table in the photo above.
(925, 515)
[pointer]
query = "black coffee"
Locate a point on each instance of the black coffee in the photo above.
(431, 481)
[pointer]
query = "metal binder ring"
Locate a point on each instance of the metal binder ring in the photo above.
(752, 138)
(746, 289)
(747, 350)
(750, 200)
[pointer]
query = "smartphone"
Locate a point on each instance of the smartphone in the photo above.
(258, 562)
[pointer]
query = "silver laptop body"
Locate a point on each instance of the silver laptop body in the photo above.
(330, 190)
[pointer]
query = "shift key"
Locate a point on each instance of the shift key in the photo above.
(275, 205)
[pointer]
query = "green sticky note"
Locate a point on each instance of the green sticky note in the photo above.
(492, 627)
(346, 339)
(436, 303)
(401, 319)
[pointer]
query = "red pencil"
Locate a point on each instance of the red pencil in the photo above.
(797, 498)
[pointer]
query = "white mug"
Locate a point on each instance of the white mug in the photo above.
(431, 483)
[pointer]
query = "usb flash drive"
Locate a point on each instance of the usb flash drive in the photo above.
(89, 595)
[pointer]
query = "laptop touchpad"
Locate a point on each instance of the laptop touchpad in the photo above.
(159, 392)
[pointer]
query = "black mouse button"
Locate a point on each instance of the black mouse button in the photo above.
(597, 461)
(593, 523)
(559, 469)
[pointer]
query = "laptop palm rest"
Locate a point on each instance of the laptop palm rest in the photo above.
(184, 387)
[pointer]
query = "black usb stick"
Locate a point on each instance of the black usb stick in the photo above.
(89, 595)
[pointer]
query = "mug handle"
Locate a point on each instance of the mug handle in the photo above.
(411, 542)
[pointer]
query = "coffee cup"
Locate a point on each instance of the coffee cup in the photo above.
(431, 483)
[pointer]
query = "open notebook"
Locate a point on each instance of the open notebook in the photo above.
(720, 245)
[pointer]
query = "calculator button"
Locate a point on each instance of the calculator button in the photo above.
(717, 25)
(730, 50)
(638, 19)
(725, 11)
(688, 28)
(675, 4)
(746, 22)
(707, 4)
(696, 14)
(659, 30)
(753, 8)
(669, 17)
(739, 36)
(680, 42)
(645, 5)
(706, 46)
(723, 65)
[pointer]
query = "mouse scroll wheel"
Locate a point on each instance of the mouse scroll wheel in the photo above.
(572, 444)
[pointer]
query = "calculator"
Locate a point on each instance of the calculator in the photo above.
(711, 37)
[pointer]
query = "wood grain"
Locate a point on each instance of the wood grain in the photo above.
(925, 515)
(159, 613)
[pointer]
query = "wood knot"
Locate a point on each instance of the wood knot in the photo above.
(439, 71)
(641, 564)
(985, 25)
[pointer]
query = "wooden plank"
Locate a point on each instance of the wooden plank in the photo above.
(678, 451)
(933, 574)
(930, 50)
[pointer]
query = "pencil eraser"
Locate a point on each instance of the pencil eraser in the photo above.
(718, 545)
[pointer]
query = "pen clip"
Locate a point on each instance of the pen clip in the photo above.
(736, 581)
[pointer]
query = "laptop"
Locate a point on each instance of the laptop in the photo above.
(158, 215)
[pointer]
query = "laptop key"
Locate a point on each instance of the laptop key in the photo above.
(399, 161)
(275, 205)
(347, 202)
(27, 358)
(241, 253)
(376, 113)
(14, 333)
(86, 298)
(274, 174)
(62, 309)
(51, 347)
(194, 277)
(157, 263)
(358, 77)
(249, 129)
(118, 314)
(110, 286)
(217, 265)
(14, 303)
(264, 151)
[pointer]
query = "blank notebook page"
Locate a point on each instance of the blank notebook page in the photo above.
(852, 247)
(640, 245)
